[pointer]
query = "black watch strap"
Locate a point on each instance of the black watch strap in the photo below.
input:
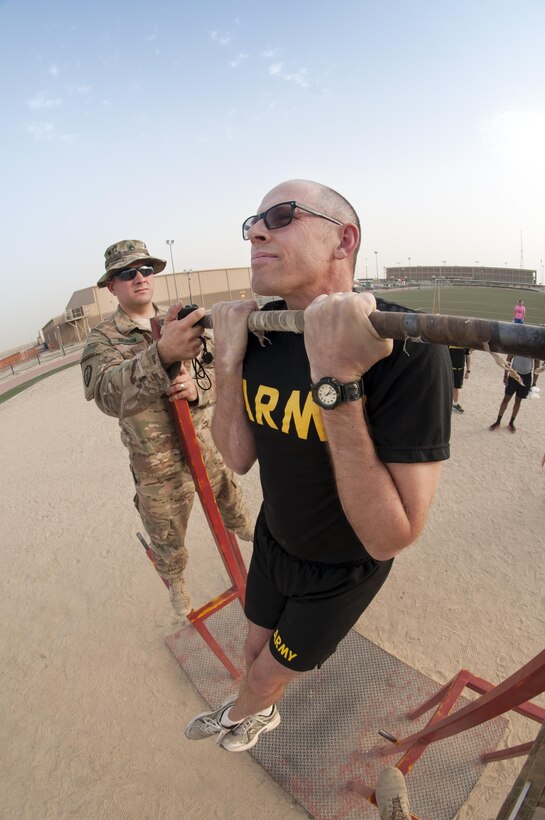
(352, 391)
(329, 392)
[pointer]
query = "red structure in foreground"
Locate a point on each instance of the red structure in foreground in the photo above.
(513, 693)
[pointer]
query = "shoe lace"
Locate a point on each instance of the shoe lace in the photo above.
(398, 810)
(248, 723)
(210, 725)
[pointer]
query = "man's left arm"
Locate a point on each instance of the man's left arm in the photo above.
(385, 500)
(386, 504)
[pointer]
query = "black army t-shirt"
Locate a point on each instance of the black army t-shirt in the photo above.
(408, 404)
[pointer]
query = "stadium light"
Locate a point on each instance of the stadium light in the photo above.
(170, 243)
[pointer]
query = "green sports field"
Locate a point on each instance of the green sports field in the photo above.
(479, 302)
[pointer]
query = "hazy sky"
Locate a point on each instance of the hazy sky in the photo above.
(170, 120)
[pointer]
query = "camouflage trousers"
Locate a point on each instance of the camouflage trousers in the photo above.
(165, 502)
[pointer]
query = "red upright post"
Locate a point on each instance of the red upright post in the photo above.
(226, 541)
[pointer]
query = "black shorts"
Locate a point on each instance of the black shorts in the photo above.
(521, 390)
(458, 376)
(311, 606)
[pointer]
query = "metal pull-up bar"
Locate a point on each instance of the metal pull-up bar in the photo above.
(477, 334)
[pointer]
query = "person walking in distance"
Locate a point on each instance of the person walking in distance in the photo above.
(526, 369)
(519, 313)
(461, 368)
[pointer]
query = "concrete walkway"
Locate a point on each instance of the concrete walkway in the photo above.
(45, 367)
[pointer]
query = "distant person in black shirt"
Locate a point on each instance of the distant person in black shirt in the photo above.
(460, 358)
(349, 431)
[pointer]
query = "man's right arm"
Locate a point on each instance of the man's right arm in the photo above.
(230, 426)
(121, 387)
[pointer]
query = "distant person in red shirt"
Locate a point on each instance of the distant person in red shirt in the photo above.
(519, 313)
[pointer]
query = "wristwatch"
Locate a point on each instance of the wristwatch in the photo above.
(329, 393)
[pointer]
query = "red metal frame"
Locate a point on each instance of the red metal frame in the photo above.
(514, 694)
(226, 541)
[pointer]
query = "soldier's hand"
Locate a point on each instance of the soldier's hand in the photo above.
(339, 338)
(230, 321)
(182, 387)
(181, 337)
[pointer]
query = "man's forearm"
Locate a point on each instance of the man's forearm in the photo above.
(231, 429)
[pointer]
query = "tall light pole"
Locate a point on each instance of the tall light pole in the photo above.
(188, 274)
(409, 258)
(376, 262)
(170, 243)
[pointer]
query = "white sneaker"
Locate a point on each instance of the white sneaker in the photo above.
(208, 724)
(246, 734)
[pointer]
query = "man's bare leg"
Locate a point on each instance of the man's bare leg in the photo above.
(256, 638)
(516, 408)
(240, 721)
(501, 411)
(265, 680)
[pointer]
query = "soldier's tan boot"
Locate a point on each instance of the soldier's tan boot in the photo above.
(179, 596)
(391, 795)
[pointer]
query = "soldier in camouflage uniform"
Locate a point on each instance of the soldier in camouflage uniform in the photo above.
(130, 376)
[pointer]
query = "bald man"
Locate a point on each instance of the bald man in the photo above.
(349, 430)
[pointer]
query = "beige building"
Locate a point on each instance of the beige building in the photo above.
(459, 273)
(90, 306)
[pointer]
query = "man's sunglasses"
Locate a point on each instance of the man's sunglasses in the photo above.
(279, 216)
(128, 274)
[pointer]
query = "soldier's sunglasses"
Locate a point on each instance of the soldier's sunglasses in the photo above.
(281, 215)
(128, 274)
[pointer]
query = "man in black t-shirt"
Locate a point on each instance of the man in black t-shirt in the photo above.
(349, 430)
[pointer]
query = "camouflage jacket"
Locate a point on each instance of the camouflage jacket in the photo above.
(122, 372)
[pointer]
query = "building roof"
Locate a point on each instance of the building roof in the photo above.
(80, 298)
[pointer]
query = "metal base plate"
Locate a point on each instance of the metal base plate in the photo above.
(327, 742)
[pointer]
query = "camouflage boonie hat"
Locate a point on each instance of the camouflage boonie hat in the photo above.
(124, 254)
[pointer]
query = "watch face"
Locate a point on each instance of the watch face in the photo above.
(327, 395)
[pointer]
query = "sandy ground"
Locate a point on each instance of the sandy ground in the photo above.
(93, 703)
